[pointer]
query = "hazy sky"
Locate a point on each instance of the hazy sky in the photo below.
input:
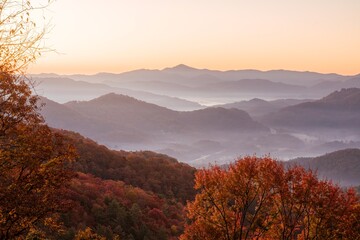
(118, 35)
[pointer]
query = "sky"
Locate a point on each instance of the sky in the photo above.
(92, 36)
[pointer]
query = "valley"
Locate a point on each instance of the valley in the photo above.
(284, 113)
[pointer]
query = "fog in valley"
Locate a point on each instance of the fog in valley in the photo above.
(202, 116)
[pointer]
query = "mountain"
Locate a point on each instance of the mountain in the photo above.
(220, 119)
(122, 122)
(254, 86)
(65, 89)
(124, 111)
(59, 116)
(258, 107)
(157, 87)
(342, 167)
(173, 103)
(196, 137)
(181, 68)
(339, 110)
(147, 170)
(120, 111)
(182, 73)
(205, 86)
(327, 87)
(284, 76)
(346, 99)
(125, 194)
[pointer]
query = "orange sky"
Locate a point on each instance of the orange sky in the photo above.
(121, 35)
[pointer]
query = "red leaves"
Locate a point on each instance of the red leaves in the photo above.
(33, 174)
(256, 198)
(123, 209)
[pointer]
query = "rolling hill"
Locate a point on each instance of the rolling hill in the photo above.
(253, 86)
(124, 111)
(66, 89)
(326, 87)
(122, 122)
(339, 110)
(342, 167)
(258, 107)
(147, 170)
(124, 194)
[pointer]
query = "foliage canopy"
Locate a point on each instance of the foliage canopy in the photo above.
(257, 198)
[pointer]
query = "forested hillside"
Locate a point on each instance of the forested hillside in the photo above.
(115, 210)
(56, 184)
(342, 167)
(150, 171)
(338, 110)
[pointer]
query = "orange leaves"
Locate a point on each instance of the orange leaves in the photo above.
(256, 198)
(17, 105)
(32, 179)
(233, 203)
(33, 161)
(88, 234)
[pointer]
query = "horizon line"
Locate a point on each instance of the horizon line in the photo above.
(192, 68)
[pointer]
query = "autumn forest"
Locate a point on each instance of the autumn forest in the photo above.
(56, 182)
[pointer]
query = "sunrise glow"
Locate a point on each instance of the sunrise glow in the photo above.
(116, 36)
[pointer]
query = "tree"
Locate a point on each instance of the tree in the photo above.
(20, 37)
(233, 203)
(309, 208)
(33, 175)
(20, 44)
(257, 198)
(17, 105)
(33, 159)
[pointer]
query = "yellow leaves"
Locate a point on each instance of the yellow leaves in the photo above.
(88, 234)
(20, 37)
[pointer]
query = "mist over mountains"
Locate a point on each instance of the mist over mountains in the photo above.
(63, 90)
(123, 122)
(339, 110)
(205, 86)
(203, 116)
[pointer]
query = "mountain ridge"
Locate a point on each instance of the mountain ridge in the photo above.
(340, 109)
(342, 167)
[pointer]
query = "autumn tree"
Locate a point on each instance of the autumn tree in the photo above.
(292, 202)
(17, 104)
(309, 208)
(257, 198)
(33, 159)
(33, 175)
(233, 203)
(20, 44)
(20, 36)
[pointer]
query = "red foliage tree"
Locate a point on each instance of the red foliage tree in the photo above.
(256, 198)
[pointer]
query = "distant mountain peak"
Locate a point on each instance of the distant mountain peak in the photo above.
(114, 98)
(182, 67)
(257, 100)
